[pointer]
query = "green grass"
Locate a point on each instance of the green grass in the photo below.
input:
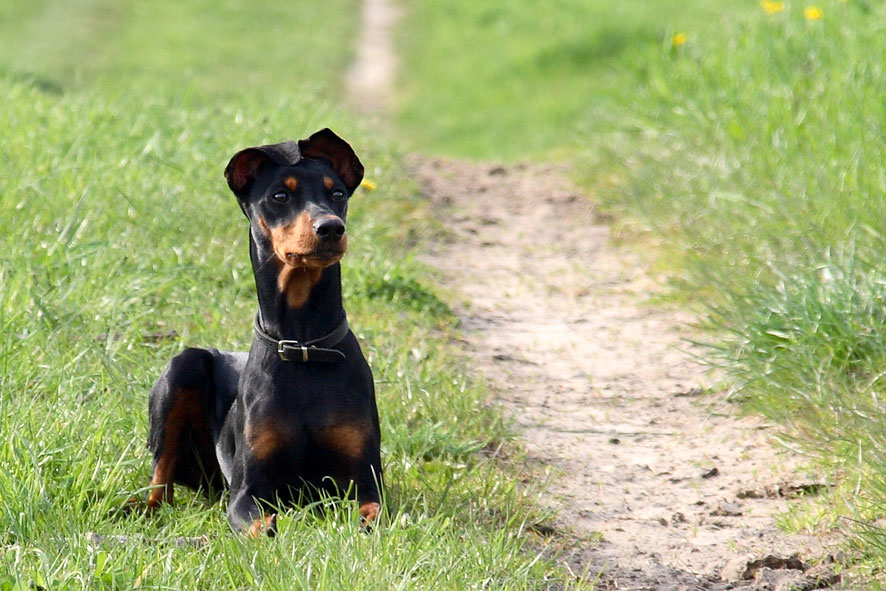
(754, 164)
(211, 49)
(747, 159)
(518, 80)
(120, 244)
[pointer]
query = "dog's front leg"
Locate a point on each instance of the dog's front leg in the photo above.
(247, 515)
(250, 489)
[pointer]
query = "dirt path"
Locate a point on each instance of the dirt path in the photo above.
(661, 488)
(370, 79)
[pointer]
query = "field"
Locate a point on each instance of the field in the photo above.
(741, 144)
(121, 244)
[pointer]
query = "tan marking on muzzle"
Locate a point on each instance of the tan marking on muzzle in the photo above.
(300, 250)
(263, 226)
(296, 238)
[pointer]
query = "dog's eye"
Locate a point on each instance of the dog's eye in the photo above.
(338, 195)
(281, 197)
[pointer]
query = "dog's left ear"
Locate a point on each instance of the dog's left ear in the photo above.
(245, 165)
(325, 144)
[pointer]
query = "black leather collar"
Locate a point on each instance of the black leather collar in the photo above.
(313, 351)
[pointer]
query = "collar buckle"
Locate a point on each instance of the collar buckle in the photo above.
(284, 345)
(317, 350)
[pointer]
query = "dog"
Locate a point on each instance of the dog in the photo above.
(296, 416)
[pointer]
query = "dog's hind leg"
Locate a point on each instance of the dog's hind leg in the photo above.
(182, 411)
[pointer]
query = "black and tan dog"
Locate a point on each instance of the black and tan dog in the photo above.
(297, 414)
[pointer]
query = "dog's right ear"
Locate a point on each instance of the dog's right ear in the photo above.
(246, 164)
(325, 144)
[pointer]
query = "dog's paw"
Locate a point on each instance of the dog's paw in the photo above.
(267, 525)
(132, 505)
(368, 514)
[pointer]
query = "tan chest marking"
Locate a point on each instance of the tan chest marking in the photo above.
(267, 438)
(297, 284)
(348, 439)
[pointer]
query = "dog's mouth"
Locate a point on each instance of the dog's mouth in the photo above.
(317, 259)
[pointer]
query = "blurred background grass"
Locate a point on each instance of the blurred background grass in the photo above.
(216, 49)
(516, 80)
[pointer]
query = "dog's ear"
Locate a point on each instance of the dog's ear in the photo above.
(325, 144)
(244, 167)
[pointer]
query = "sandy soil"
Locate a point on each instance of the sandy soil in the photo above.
(656, 483)
(659, 481)
(370, 79)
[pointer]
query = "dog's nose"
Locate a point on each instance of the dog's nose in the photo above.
(329, 228)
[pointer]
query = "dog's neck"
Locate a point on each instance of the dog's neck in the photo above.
(295, 304)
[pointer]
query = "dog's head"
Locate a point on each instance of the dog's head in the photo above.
(296, 196)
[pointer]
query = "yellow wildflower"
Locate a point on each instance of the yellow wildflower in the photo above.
(770, 7)
(368, 185)
(678, 39)
(813, 13)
